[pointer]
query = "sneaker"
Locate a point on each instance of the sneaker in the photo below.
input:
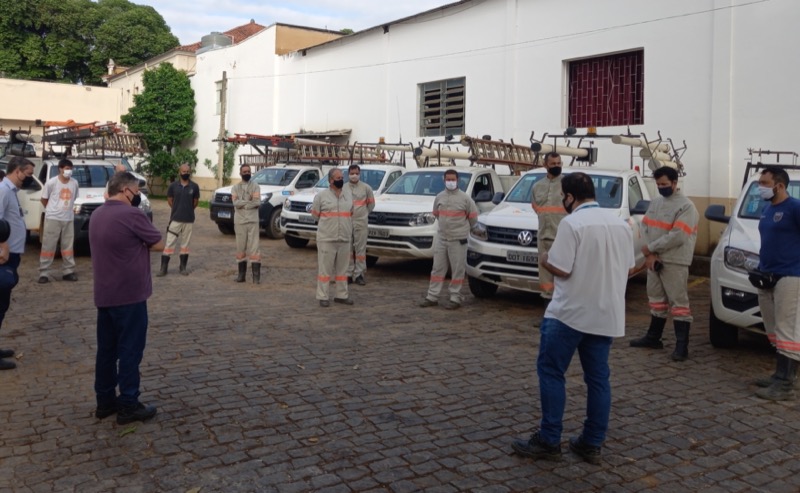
(586, 452)
(425, 303)
(535, 448)
(139, 412)
(102, 412)
(6, 353)
(7, 365)
(324, 303)
(360, 281)
(70, 277)
(344, 301)
(43, 280)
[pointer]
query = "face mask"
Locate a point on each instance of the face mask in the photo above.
(766, 193)
(26, 182)
(185, 176)
(246, 177)
(451, 185)
(136, 200)
(569, 207)
(554, 171)
(67, 173)
(354, 178)
(338, 183)
(665, 191)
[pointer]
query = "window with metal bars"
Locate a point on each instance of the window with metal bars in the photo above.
(441, 107)
(607, 90)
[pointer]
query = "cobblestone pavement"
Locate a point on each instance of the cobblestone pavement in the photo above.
(260, 389)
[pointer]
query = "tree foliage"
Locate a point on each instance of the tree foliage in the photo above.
(72, 40)
(164, 114)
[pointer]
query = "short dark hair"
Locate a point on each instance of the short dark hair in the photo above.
(64, 163)
(242, 167)
(120, 181)
(17, 162)
(354, 166)
(779, 175)
(451, 172)
(549, 155)
(670, 173)
(579, 185)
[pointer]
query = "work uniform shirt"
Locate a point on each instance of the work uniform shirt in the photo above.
(334, 215)
(456, 213)
(246, 205)
(183, 197)
(11, 211)
(546, 203)
(779, 227)
(60, 199)
(595, 247)
(363, 201)
(670, 228)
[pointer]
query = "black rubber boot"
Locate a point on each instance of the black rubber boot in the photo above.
(681, 352)
(782, 388)
(256, 272)
(184, 261)
(164, 265)
(242, 277)
(653, 337)
(780, 369)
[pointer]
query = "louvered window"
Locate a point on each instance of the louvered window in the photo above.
(441, 108)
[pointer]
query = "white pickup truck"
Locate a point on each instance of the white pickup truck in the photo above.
(299, 226)
(502, 248)
(402, 223)
(734, 301)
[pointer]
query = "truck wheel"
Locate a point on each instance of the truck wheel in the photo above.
(295, 242)
(226, 229)
(274, 225)
(481, 289)
(371, 261)
(722, 335)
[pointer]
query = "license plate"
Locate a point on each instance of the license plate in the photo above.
(378, 233)
(306, 219)
(224, 214)
(518, 257)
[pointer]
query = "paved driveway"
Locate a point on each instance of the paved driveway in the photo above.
(260, 389)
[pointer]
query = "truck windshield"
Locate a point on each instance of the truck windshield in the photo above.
(275, 176)
(608, 190)
(753, 205)
(372, 177)
(523, 190)
(428, 182)
(91, 176)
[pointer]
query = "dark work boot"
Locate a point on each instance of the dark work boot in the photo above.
(681, 352)
(782, 388)
(242, 277)
(653, 337)
(184, 261)
(780, 368)
(256, 272)
(164, 265)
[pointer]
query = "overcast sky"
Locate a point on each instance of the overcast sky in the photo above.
(192, 19)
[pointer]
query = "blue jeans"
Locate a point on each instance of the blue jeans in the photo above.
(121, 337)
(557, 346)
(5, 294)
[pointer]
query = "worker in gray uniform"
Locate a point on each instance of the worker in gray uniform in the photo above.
(363, 203)
(456, 214)
(670, 229)
(546, 202)
(333, 209)
(246, 197)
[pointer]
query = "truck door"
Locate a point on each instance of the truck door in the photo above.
(635, 220)
(482, 192)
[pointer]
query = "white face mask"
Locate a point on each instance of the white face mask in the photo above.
(67, 173)
(451, 185)
(766, 193)
(354, 178)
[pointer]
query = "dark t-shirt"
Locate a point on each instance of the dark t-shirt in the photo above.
(183, 201)
(120, 237)
(780, 236)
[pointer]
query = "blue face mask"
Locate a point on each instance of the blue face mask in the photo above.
(665, 191)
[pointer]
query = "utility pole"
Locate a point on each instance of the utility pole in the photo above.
(221, 138)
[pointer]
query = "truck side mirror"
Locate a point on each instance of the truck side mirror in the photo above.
(498, 197)
(716, 212)
(640, 208)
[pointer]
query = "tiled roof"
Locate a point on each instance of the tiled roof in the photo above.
(237, 35)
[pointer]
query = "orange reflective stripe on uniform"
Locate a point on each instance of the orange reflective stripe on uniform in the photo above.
(448, 213)
(471, 215)
(685, 228)
(359, 202)
(680, 311)
(659, 305)
(169, 251)
(324, 278)
(547, 286)
(185, 250)
(67, 253)
(789, 345)
(772, 338)
(370, 200)
(361, 257)
(457, 281)
(549, 209)
(334, 214)
(47, 254)
(340, 278)
(668, 227)
(437, 278)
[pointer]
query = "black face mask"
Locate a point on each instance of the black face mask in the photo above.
(554, 171)
(246, 177)
(569, 207)
(185, 177)
(665, 191)
(136, 200)
(26, 182)
(338, 183)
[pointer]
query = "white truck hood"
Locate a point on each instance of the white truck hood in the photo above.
(404, 203)
(743, 234)
(508, 214)
(306, 196)
(264, 189)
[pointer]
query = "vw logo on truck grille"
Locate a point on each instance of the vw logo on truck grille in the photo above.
(525, 238)
(309, 207)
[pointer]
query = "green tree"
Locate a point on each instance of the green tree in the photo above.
(164, 114)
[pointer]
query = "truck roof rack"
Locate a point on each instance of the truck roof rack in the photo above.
(754, 162)
(92, 139)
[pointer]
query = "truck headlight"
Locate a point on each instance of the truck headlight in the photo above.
(76, 208)
(479, 232)
(741, 260)
(145, 205)
(422, 219)
(265, 197)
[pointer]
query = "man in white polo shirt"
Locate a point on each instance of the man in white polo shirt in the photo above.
(591, 259)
